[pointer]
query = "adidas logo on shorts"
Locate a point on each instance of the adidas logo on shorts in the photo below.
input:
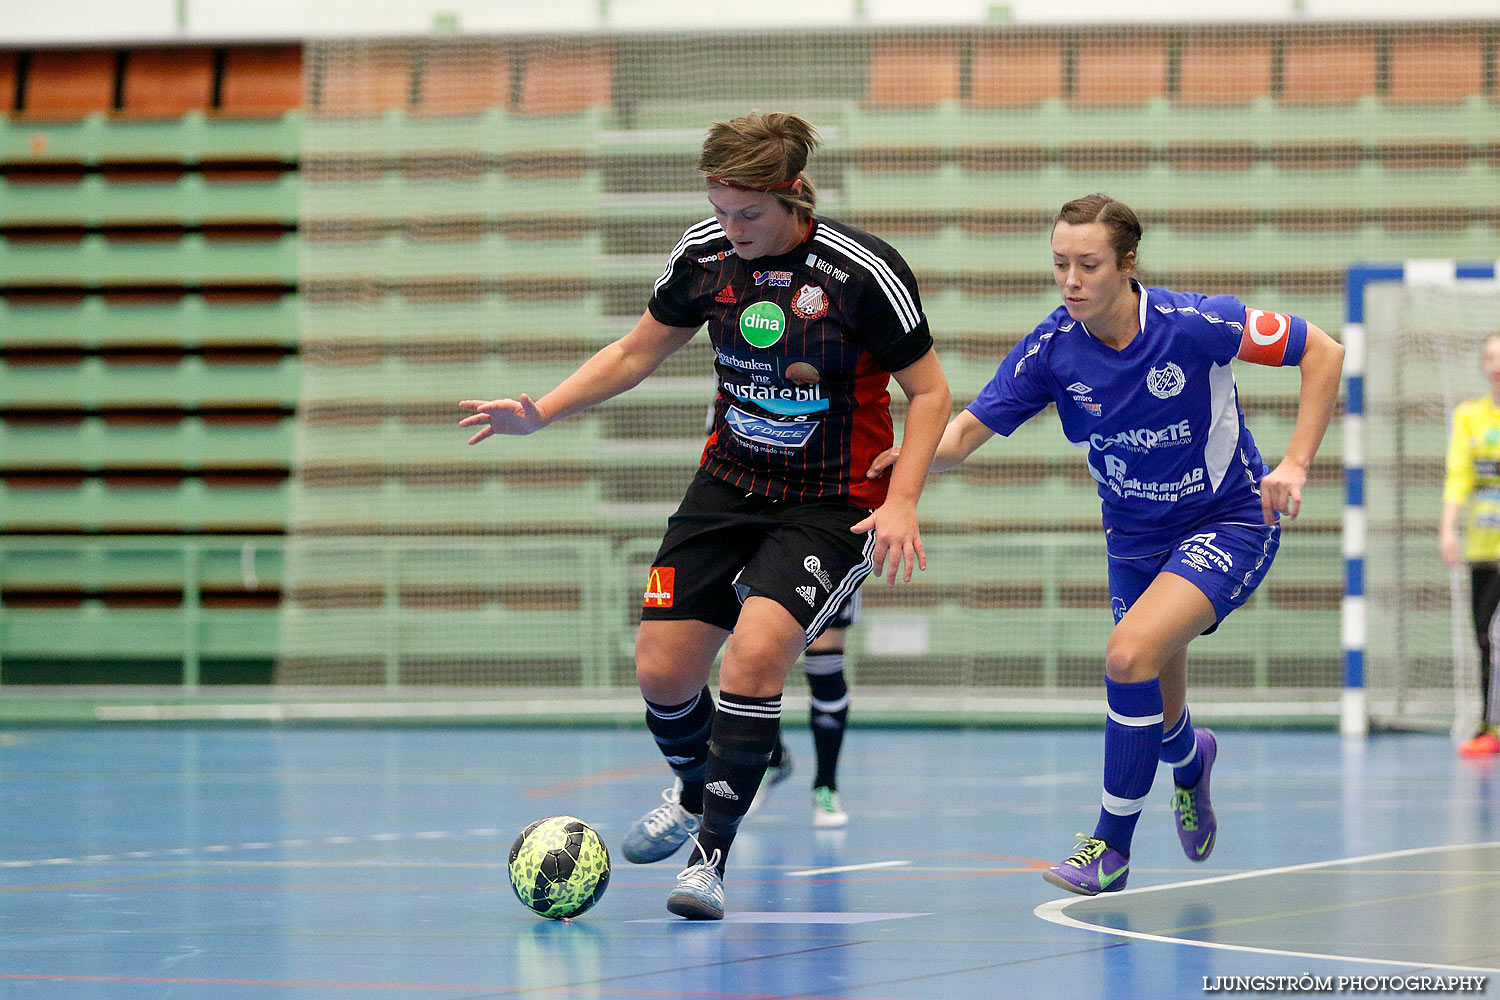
(808, 594)
(722, 790)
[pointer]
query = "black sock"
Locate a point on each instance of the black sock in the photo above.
(828, 712)
(745, 734)
(681, 732)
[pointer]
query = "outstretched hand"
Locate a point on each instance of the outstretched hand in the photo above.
(502, 416)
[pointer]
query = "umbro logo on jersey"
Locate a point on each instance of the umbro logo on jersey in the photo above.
(722, 790)
(726, 295)
(808, 594)
(1080, 387)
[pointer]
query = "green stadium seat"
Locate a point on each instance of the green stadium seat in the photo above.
(93, 505)
(95, 443)
(190, 200)
(188, 321)
(190, 260)
(185, 381)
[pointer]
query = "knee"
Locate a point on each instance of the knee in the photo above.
(661, 677)
(1130, 659)
(756, 664)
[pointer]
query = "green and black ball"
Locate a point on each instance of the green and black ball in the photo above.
(559, 867)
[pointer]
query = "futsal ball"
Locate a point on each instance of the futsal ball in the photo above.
(559, 867)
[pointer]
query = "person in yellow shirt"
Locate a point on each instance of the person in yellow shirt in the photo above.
(1473, 483)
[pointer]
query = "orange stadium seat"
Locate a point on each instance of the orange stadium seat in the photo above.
(566, 80)
(1219, 69)
(65, 84)
(365, 79)
(7, 82)
(261, 81)
(166, 83)
(463, 80)
(1328, 67)
(1430, 66)
(1010, 73)
(1118, 72)
(911, 74)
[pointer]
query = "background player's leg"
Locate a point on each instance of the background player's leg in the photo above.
(673, 660)
(1178, 745)
(827, 717)
(1485, 595)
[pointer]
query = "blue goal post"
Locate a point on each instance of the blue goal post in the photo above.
(1354, 716)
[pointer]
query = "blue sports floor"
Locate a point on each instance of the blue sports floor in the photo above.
(325, 863)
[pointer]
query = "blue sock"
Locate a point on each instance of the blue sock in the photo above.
(1179, 751)
(1132, 742)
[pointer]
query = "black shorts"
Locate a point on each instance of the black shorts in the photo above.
(723, 546)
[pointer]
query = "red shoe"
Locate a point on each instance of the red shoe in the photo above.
(1485, 744)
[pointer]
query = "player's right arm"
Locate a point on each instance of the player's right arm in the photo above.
(618, 367)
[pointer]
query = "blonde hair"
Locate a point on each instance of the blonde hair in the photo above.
(1124, 228)
(763, 152)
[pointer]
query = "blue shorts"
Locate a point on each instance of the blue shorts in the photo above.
(1226, 561)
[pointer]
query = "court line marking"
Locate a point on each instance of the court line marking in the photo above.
(1052, 910)
(849, 868)
(479, 833)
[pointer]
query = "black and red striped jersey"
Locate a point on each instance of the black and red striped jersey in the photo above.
(804, 344)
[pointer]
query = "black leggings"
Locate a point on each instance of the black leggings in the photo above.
(1484, 588)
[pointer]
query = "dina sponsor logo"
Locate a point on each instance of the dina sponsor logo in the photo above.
(762, 324)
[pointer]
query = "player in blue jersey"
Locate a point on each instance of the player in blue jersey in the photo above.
(1141, 378)
(809, 321)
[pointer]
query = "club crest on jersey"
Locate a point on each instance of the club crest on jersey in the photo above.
(1166, 381)
(762, 324)
(810, 302)
(776, 279)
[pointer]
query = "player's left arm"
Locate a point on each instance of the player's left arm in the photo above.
(895, 522)
(1321, 363)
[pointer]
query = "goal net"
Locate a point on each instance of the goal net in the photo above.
(1423, 337)
(480, 214)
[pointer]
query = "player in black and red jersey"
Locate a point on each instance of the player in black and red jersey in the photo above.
(809, 321)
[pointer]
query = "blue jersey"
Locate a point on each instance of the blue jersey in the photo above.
(1160, 419)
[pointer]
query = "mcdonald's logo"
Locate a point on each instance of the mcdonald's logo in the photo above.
(659, 587)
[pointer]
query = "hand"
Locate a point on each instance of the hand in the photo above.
(883, 461)
(1450, 550)
(1281, 491)
(502, 416)
(896, 535)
